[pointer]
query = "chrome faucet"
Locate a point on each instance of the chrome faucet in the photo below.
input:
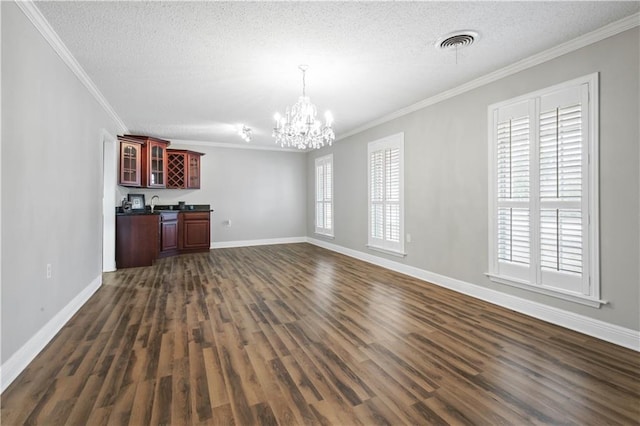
(155, 197)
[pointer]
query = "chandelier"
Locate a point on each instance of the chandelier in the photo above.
(299, 127)
(245, 132)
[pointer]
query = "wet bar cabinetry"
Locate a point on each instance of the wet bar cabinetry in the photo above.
(136, 240)
(183, 169)
(143, 161)
(194, 231)
(130, 163)
(143, 237)
(168, 233)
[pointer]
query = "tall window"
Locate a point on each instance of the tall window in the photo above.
(544, 194)
(386, 194)
(324, 195)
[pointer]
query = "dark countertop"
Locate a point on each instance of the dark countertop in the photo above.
(169, 207)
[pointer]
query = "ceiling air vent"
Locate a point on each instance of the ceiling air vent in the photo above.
(457, 40)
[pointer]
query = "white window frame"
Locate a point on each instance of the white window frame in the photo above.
(589, 293)
(383, 244)
(326, 198)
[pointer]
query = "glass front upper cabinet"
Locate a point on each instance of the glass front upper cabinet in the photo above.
(157, 170)
(143, 161)
(194, 170)
(130, 163)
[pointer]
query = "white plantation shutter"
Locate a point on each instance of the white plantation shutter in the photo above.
(392, 194)
(376, 190)
(562, 167)
(544, 191)
(513, 190)
(324, 195)
(386, 218)
(513, 171)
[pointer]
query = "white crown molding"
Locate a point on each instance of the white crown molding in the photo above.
(265, 242)
(234, 146)
(12, 367)
(32, 12)
(537, 59)
(612, 333)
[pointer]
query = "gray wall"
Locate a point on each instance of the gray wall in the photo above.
(262, 193)
(51, 182)
(446, 175)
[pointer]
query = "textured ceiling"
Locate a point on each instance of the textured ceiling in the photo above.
(193, 70)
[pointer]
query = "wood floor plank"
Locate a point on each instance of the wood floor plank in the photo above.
(162, 407)
(200, 402)
(121, 411)
(85, 402)
(283, 411)
(234, 367)
(223, 416)
(142, 403)
(375, 412)
(215, 378)
(302, 382)
(182, 412)
(295, 334)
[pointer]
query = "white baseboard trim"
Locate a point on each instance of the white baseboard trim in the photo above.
(265, 242)
(12, 367)
(592, 327)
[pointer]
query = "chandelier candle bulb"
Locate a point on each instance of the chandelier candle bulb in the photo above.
(328, 118)
(299, 128)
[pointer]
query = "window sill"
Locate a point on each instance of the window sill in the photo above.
(387, 251)
(326, 236)
(583, 300)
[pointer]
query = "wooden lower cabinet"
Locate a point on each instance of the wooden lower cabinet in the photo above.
(142, 238)
(195, 232)
(168, 233)
(136, 240)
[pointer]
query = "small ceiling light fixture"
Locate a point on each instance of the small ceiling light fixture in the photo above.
(244, 132)
(299, 127)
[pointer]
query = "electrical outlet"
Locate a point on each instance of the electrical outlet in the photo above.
(48, 271)
(408, 238)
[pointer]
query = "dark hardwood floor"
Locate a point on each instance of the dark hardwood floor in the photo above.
(294, 334)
